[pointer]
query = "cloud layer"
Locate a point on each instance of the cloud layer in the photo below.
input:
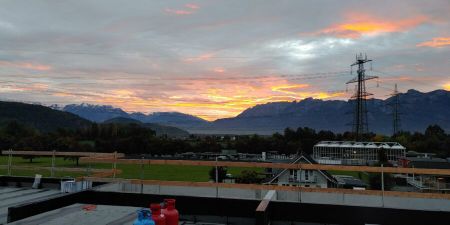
(214, 59)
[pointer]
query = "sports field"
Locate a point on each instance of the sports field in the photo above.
(151, 172)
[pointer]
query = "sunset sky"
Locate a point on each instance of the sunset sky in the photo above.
(212, 58)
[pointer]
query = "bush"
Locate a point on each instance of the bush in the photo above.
(221, 171)
(248, 177)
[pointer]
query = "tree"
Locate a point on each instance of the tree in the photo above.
(379, 138)
(221, 171)
(248, 177)
(382, 157)
(375, 178)
(29, 157)
(75, 159)
(375, 181)
(435, 131)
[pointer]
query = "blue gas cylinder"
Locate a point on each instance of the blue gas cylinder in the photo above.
(144, 217)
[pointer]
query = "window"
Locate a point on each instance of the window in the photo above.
(293, 174)
(308, 175)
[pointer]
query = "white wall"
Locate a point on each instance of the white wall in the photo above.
(427, 204)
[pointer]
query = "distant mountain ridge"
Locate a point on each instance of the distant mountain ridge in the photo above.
(101, 113)
(160, 130)
(40, 117)
(47, 119)
(95, 113)
(418, 111)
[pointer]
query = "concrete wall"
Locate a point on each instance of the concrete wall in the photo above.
(427, 204)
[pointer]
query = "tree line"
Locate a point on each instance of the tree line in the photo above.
(135, 139)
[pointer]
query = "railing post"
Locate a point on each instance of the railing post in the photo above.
(217, 180)
(115, 164)
(88, 169)
(9, 162)
(437, 180)
(52, 172)
(142, 174)
(382, 184)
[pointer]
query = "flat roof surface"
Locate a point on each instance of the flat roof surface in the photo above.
(98, 215)
(75, 214)
(12, 196)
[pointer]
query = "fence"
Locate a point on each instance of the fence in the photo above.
(53, 169)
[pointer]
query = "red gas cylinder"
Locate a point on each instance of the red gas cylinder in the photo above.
(159, 218)
(170, 212)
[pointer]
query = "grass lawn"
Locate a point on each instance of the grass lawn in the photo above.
(150, 172)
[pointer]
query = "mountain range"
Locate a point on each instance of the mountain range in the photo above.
(101, 113)
(160, 130)
(40, 117)
(49, 119)
(418, 110)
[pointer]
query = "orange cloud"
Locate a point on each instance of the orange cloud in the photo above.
(219, 70)
(37, 87)
(208, 99)
(188, 9)
(447, 86)
(26, 65)
(217, 99)
(192, 6)
(437, 42)
(358, 25)
(289, 89)
(200, 58)
(178, 11)
(63, 94)
(122, 93)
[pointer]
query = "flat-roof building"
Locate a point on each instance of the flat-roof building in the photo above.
(355, 153)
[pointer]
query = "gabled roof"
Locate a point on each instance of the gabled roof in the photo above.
(308, 159)
(323, 172)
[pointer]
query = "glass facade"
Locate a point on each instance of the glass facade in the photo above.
(355, 153)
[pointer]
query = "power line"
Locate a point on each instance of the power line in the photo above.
(305, 76)
(410, 80)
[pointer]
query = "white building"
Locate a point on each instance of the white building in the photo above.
(355, 153)
(427, 182)
(303, 178)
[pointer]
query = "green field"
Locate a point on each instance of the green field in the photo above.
(360, 175)
(150, 172)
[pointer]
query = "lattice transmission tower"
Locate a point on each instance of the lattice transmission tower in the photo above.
(395, 104)
(360, 120)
